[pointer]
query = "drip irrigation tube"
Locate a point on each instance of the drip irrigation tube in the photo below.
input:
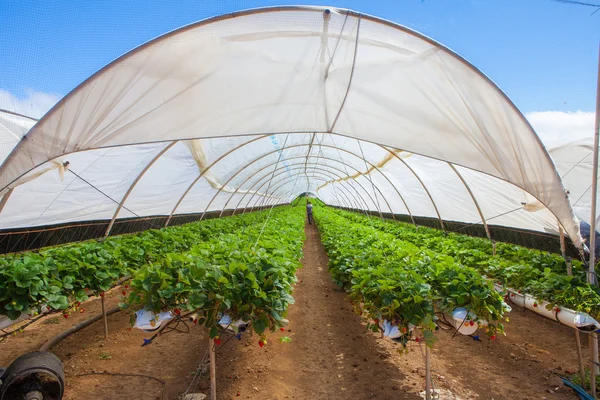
(571, 318)
(62, 336)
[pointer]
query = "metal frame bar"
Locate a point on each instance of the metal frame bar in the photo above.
(279, 198)
(261, 178)
(420, 181)
(334, 175)
(300, 164)
(221, 157)
(292, 158)
(339, 177)
(485, 225)
(269, 153)
(135, 182)
(255, 183)
(285, 181)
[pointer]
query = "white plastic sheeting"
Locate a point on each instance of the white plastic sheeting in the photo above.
(574, 162)
(283, 101)
(12, 128)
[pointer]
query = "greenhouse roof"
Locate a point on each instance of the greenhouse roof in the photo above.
(253, 108)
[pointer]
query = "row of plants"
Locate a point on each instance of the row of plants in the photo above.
(392, 279)
(246, 274)
(540, 274)
(62, 276)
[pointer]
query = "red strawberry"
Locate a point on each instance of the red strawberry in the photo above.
(101, 294)
(282, 329)
(177, 311)
(66, 315)
(261, 343)
(217, 341)
(126, 286)
(417, 340)
(195, 321)
(471, 323)
(557, 309)
(376, 321)
(238, 394)
(519, 292)
(78, 304)
(124, 293)
(403, 330)
(493, 337)
(534, 305)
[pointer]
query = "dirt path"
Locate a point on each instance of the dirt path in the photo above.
(331, 356)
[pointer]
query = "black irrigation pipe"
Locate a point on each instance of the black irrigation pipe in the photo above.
(62, 336)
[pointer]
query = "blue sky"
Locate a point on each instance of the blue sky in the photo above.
(542, 53)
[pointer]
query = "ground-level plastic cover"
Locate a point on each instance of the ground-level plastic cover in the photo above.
(255, 107)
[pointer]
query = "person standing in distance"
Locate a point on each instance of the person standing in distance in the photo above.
(309, 208)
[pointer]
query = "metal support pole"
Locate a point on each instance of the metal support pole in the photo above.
(104, 316)
(591, 271)
(592, 279)
(213, 369)
(563, 250)
(427, 373)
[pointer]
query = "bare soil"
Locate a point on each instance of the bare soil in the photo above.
(330, 356)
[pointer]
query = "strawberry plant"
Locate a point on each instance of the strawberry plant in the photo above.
(59, 277)
(540, 274)
(247, 275)
(400, 282)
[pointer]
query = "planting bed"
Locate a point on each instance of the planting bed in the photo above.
(331, 356)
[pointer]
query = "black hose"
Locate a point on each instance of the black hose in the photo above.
(62, 336)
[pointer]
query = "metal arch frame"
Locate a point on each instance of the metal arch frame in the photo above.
(298, 167)
(221, 157)
(298, 175)
(286, 181)
(420, 181)
(319, 169)
(297, 157)
(337, 149)
(255, 183)
(485, 225)
(339, 177)
(135, 182)
(335, 196)
(347, 195)
(263, 156)
(250, 177)
(372, 166)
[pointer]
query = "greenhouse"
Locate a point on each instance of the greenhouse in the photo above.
(183, 168)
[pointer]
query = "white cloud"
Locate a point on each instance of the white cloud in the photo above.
(557, 127)
(34, 104)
